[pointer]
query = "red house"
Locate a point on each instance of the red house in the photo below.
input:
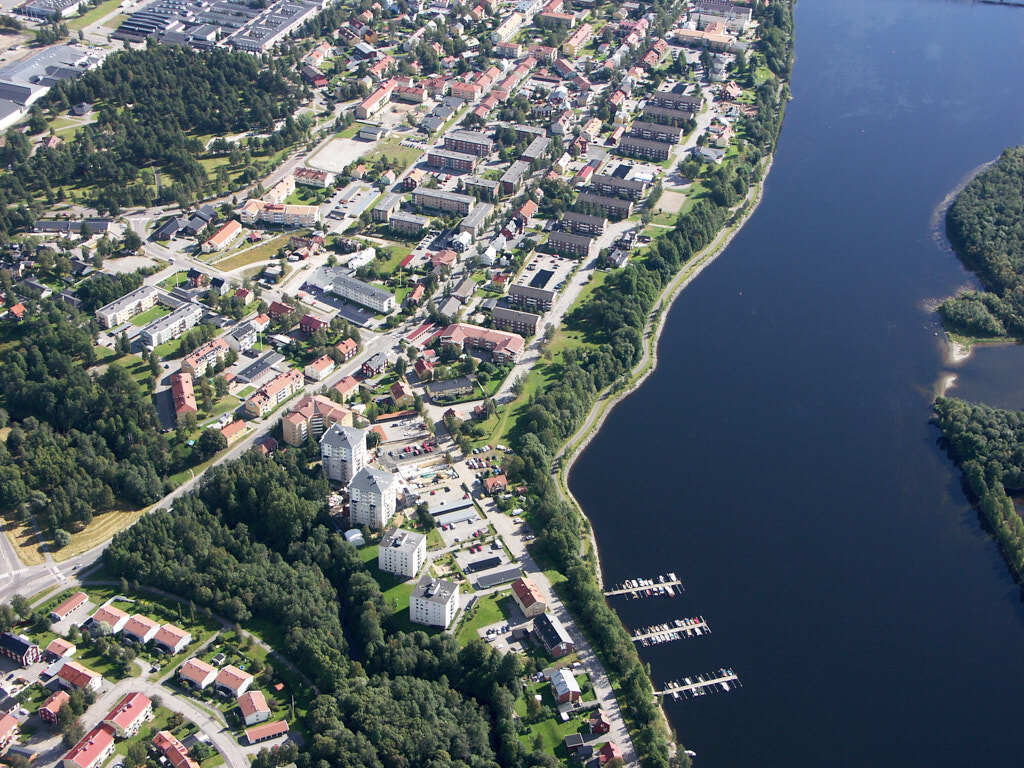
(610, 751)
(311, 324)
(277, 310)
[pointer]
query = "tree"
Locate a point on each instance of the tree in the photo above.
(61, 538)
(135, 753)
(210, 442)
(132, 242)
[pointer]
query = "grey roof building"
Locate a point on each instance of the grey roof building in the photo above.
(434, 602)
(372, 497)
(343, 451)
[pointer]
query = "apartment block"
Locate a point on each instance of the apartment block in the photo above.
(567, 244)
(171, 326)
(402, 552)
(364, 294)
(450, 160)
(373, 496)
(582, 224)
(436, 199)
(343, 452)
(270, 395)
(515, 320)
(128, 306)
(612, 207)
(470, 142)
(202, 358)
(631, 189)
(434, 602)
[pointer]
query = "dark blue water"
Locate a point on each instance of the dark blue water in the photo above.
(780, 459)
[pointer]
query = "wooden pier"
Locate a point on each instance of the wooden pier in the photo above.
(638, 588)
(676, 630)
(722, 680)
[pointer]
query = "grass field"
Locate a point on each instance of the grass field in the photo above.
(26, 543)
(486, 611)
(93, 15)
(261, 252)
(394, 152)
(150, 315)
(99, 530)
(174, 280)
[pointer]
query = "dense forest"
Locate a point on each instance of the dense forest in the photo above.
(255, 542)
(985, 225)
(79, 444)
(988, 445)
(152, 106)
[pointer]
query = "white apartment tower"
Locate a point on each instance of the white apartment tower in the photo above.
(372, 497)
(402, 552)
(343, 451)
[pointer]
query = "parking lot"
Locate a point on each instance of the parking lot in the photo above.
(457, 527)
(559, 267)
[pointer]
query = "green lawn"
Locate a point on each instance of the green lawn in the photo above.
(396, 593)
(174, 280)
(150, 315)
(549, 734)
(391, 150)
(486, 611)
(93, 15)
(349, 132)
(261, 252)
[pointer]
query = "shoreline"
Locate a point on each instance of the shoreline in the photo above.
(607, 401)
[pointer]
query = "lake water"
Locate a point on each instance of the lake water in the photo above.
(780, 460)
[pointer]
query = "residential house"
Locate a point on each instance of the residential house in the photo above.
(553, 635)
(58, 649)
(346, 387)
(128, 716)
(19, 648)
(610, 751)
(253, 707)
(529, 599)
(9, 729)
(197, 673)
(141, 629)
(320, 369)
(74, 675)
(347, 348)
(564, 686)
(183, 396)
(278, 309)
(114, 618)
(232, 681)
(173, 750)
(374, 365)
(92, 750)
(171, 639)
(401, 394)
(49, 709)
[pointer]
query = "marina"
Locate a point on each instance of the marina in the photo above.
(661, 586)
(676, 630)
(721, 681)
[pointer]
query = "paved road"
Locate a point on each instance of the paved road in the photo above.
(213, 727)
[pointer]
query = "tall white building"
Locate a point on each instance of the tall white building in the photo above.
(402, 552)
(372, 497)
(128, 306)
(364, 294)
(343, 451)
(434, 602)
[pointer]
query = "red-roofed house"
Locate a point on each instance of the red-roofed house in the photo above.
(312, 324)
(526, 212)
(18, 311)
(233, 430)
(94, 748)
(171, 639)
(65, 609)
(260, 322)
(445, 258)
(348, 348)
(401, 393)
(495, 484)
(74, 675)
(59, 648)
(49, 709)
(126, 718)
(141, 628)
(277, 310)
(599, 723)
(113, 617)
(232, 681)
(610, 751)
(528, 597)
(8, 731)
(266, 731)
(253, 706)
(346, 387)
(173, 750)
(197, 673)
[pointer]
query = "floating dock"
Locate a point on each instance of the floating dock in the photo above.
(661, 586)
(722, 681)
(673, 630)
